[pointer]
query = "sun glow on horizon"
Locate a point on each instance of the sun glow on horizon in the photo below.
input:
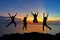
(36, 28)
(30, 19)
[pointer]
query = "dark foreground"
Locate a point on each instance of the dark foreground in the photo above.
(31, 36)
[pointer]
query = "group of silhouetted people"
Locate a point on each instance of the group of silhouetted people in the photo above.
(25, 20)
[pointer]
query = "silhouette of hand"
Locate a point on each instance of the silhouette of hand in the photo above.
(44, 13)
(37, 12)
(8, 14)
(48, 14)
(31, 11)
(27, 14)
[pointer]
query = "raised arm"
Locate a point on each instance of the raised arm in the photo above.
(9, 14)
(43, 14)
(32, 13)
(37, 13)
(26, 15)
(16, 14)
(47, 14)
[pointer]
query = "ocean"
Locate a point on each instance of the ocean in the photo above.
(30, 28)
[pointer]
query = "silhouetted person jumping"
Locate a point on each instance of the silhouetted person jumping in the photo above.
(12, 20)
(44, 21)
(35, 17)
(25, 22)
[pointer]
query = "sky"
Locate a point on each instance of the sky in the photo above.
(24, 7)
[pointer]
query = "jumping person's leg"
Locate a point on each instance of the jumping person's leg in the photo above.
(9, 24)
(15, 24)
(43, 27)
(48, 27)
(23, 28)
(33, 21)
(36, 21)
(26, 27)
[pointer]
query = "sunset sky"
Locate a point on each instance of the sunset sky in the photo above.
(24, 7)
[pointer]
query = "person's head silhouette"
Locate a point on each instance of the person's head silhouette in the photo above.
(24, 18)
(35, 14)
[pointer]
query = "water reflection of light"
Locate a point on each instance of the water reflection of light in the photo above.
(35, 28)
